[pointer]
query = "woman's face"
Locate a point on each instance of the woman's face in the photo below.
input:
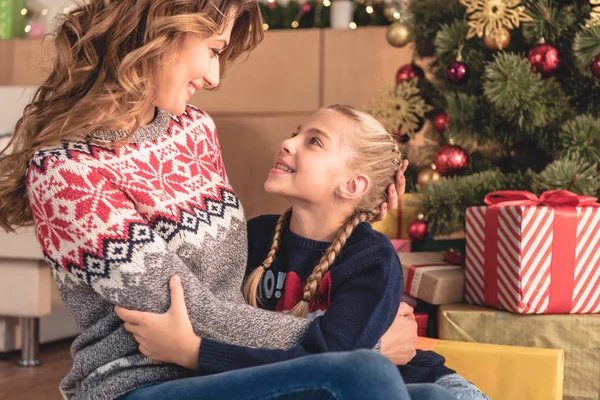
(190, 68)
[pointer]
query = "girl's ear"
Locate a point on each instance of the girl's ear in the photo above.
(354, 188)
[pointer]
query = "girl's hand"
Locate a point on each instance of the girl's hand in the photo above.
(393, 193)
(399, 343)
(167, 337)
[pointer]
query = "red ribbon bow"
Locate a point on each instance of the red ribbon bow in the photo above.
(564, 241)
(551, 198)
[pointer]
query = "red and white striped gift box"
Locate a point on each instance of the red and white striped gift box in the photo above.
(534, 256)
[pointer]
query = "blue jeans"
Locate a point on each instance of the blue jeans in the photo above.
(362, 374)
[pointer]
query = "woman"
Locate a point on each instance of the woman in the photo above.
(124, 195)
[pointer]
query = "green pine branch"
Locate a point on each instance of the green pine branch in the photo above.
(522, 96)
(428, 16)
(580, 137)
(446, 201)
(586, 46)
(550, 21)
(574, 174)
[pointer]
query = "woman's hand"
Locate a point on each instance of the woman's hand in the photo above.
(400, 341)
(394, 192)
(167, 337)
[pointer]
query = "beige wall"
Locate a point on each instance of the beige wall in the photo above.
(262, 99)
(290, 75)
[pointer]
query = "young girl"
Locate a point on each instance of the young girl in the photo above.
(320, 259)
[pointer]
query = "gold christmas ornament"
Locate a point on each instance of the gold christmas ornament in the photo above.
(486, 17)
(401, 107)
(595, 13)
(390, 13)
(427, 175)
(398, 34)
(498, 41)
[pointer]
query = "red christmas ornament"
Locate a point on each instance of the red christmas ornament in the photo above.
(417, 230)
(306, 8)
(440, 122)
(457, 72)
(408, 72)
(544, 58)
(595, 66)
(451, 160)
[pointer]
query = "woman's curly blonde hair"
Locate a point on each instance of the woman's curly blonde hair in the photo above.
(108, 57)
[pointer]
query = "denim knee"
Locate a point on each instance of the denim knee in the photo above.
(365, 362)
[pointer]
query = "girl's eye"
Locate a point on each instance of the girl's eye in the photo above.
(215, 53)
(315, 141)
(294, 134)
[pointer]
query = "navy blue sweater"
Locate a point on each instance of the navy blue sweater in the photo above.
(361, 294)
(355, 304)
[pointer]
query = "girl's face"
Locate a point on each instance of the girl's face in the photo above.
(314, 162)
(190, 68)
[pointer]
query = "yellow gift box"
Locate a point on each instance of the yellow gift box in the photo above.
(577, 335)
(504, 372)
(395, 224)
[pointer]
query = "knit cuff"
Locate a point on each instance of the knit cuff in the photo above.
(215, 357)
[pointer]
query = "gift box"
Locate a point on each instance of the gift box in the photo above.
(422, 320)
(534, 256)
(504, 372)
(395, 224)
(577, 335)
(401, 245)
(427, 277)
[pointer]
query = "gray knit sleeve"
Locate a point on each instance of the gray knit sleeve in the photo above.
(120, 257)
(461, 388)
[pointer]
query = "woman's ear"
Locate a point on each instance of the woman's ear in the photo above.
(354, 188)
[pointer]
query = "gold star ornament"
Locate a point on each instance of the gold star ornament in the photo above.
(489, 17)
(400, 107)
(595, 14)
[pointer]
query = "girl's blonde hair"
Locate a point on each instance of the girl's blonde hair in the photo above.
(376, 154)
(108, 59)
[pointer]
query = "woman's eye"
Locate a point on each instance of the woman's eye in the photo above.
(315, 141)
(215, 53)
(294, 134)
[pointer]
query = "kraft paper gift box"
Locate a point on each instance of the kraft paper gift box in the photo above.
(395, 224)
(504, 372)
(427, 277)
(534, 256)
(577, 335)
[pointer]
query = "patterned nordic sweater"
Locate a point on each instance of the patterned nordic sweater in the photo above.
(116, 225)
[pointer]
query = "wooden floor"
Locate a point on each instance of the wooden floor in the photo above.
(41, 382)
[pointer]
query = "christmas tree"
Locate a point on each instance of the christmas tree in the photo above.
(512, 90)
